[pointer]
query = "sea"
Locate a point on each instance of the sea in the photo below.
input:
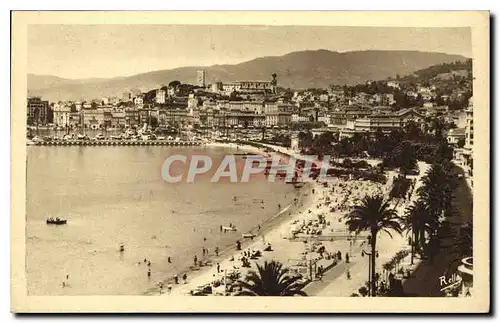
(113, 195)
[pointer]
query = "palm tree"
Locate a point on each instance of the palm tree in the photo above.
(418, 221)
(412, 131)
(436, 189)
(373, 214)
(438, 127)
(271, 280)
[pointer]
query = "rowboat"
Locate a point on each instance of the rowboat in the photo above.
(56, 221)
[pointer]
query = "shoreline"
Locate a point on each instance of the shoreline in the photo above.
(269, 227)
(286, 251)
(272, 225)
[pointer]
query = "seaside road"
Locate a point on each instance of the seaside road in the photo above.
(315, 288)
(425, 280)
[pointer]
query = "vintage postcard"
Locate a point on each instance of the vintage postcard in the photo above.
(341, 158)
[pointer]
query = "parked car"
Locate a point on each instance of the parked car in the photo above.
(99, 137)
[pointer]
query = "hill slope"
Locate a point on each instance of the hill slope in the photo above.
(304, 69)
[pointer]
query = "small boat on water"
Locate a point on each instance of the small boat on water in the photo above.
(56, 221)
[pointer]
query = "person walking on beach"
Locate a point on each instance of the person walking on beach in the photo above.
(217, 251)
(195, 260)
(176, 279)
(169, 260)
(221, 228)
(149, 273)
(218, 268)
(184, 277)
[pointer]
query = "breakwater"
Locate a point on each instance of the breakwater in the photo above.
(116, 143)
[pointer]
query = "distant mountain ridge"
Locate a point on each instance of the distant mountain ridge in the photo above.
(298, 70)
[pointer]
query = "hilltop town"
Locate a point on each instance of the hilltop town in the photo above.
(264, 111)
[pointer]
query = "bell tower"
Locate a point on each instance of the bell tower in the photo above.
(274, 82)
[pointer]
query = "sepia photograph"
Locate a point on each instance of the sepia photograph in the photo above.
(164, 156)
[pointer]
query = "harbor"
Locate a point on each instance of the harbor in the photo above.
(116, 143)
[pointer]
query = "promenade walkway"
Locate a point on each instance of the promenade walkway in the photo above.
(335, 282)
(425, 280)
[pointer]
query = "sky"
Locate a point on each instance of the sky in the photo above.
(94, 51)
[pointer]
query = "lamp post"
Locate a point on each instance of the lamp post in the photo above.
(370, 255)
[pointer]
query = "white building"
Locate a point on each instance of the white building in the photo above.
(325, 119)
(469, 125)
(192, 101)
(464, 156)
(61, 114)
(138, 100)
(393, 84)
(469, 137)
(455, 135)
(200, 78)
(160, 96)
(299, 118)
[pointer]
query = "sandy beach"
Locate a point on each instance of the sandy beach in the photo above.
(294, 239)
(264, 232)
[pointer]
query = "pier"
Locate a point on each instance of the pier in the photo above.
(116, 143)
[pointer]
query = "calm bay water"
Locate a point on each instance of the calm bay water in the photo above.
(113, 195)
